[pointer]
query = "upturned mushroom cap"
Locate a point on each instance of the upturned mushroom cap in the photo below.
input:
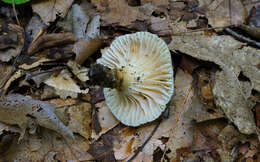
(144, 69)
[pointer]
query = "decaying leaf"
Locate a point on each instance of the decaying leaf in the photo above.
(33, 27)
(87, 30)
(18, 110)
(48, 10)
(51, 40)
(234, 59)
(80, 119)
(118, 12)
(222, 13)
(80, 21)
(85, 48)
(6, 127)
(106, 119)
(48, 146)
(65, 86)
(234, 101)
(80, 72)
(16, 75)
(11, 41)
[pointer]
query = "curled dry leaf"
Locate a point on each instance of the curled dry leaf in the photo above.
(51, 40)
(18, 110)
(11, 41)
(233, 58)
(80, 72)
(85, 48)
(48, 10)
(65, 86)
(18, 74)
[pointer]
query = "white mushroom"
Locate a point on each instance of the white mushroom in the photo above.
(143, 66)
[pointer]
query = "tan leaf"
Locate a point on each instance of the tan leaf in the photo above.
(48, 10)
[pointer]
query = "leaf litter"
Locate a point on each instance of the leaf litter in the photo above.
(213, 115)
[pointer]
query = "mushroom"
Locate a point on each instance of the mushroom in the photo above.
(141, 71)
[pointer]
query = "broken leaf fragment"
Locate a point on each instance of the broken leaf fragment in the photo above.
(65, 86)
(233, 58)
(48, 10)
(17, 109)
(11, 41)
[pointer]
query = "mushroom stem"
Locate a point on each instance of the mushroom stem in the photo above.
(103, 76)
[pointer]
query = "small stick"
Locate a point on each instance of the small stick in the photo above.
(147, 140)
(15, 14)
(243, 38)
(39, 34)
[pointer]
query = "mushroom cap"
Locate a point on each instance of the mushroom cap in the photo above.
(143, 65)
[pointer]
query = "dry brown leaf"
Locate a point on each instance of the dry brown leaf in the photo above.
(160, 26)
(106, 120)
(118, 12)
(80, 119)
(161, 3)
(45, 146)
(80, 72)
(76, 114)
(48, 10)
(11, 41)
(233, 58)
(85, 48)
(221, 13)
(64, 85)
(18, 74)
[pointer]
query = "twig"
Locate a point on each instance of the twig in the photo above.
(147, 140)
(242, 38)
(197, 30)
(15, 14)
(42, 72)
(39, 34)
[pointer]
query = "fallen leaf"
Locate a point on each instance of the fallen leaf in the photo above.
(33, 27)
(22, 109)
(106, 119)
(230, 97)
(79, 71)
(48, 146)
(11, 41)
(222, 13)
(51, 40)
(234, 59)
(117, 12)
(80, 119)
(64, 85)
(80, 21)
(48, 10)
(85, 48)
